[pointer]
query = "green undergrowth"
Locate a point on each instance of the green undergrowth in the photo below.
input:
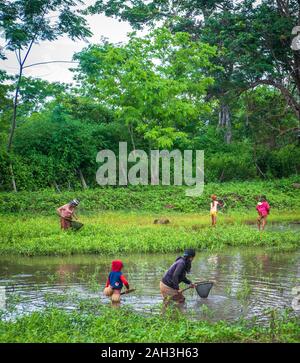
(282, 195)
(96, 323)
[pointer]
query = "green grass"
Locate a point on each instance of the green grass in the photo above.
(111, 233)
(98, 323)
(238, 196)
(120, 221)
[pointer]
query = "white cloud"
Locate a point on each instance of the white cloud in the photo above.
(64, 48)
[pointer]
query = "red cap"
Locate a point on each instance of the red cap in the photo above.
(116, 265)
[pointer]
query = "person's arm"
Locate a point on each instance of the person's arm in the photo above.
(268, 207)
(222, 204)
(187, 281)
(107, 283)
(59, 210)
(125, 282)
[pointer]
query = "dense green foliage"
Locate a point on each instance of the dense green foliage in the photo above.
(281, 194)
(253, 38)
(96, 323)
(227, 85)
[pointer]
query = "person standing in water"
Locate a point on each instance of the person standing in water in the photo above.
(67, 213)
(115, 282)
(214, 209)
(263, 209)
(169, 285)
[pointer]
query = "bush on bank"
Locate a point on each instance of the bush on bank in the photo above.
(281, 194)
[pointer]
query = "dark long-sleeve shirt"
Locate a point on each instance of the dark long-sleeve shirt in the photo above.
(176, 274)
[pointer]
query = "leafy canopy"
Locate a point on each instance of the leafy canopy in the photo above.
(156, 84)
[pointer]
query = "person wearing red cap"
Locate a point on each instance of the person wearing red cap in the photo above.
(115, 281)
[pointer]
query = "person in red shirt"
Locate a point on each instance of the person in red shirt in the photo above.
(263, 209)
(115, 281)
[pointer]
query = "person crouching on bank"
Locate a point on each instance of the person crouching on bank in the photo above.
(67, 213)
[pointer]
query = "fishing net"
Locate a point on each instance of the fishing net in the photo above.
(203, 289)
(76, 225)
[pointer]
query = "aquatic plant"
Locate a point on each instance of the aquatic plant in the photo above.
(244, 290)
(90, 325)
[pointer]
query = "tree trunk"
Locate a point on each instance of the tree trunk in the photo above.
(13, 181)
(83, 182)
(12, 129)
(290, 99)
(225, 122)
(130, 129)
(14, 118)
(56, 187)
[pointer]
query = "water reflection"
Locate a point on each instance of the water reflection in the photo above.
(247, 282)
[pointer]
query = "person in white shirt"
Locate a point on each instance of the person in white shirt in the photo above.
(214, 209)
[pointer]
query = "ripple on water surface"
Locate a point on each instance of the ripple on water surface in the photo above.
(247, 282)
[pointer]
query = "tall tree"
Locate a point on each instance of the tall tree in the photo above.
(29, 22)
(254, 40)
(156, 85)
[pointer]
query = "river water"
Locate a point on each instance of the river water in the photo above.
(248, 282)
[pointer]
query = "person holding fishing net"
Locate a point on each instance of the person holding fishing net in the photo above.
(115, 282)
(169, 285)
(67, 213)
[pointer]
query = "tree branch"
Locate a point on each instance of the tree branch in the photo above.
(36, 64)
(18, 58)
(284, 91)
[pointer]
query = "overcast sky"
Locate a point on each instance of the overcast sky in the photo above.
(64, 48)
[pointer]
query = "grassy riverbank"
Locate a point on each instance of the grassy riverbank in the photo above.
(111, 233)
(96, 323)
(120, 220)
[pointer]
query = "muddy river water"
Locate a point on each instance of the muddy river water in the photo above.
(248, 282)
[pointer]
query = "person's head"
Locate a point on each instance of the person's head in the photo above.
(263, 198)
(116, 265)
(74, 203)
(213, 197)
(189, 254)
